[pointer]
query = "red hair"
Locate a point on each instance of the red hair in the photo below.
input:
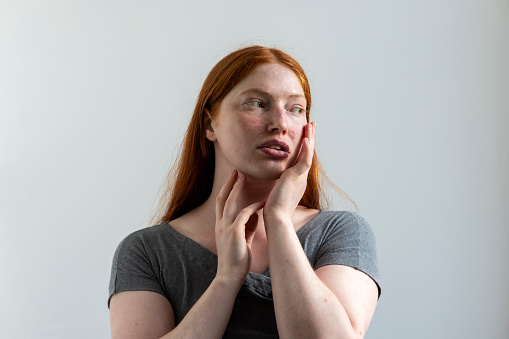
(190, 180)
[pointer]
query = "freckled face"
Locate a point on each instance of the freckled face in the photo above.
(258, 128)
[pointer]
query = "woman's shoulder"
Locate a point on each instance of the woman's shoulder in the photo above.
(146, 237)
(345, 238)
(149, 231)
(343, 217)
(327, 221)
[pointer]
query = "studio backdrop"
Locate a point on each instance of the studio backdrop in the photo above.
(411, 100)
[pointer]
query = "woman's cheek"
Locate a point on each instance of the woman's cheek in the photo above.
(253, 123)
(295, 131)
(294, 134)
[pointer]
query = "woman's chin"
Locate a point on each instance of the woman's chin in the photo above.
(264, 175)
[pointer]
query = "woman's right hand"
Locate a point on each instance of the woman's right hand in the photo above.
(234, 230)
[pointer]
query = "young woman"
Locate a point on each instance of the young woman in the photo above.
(244, 197)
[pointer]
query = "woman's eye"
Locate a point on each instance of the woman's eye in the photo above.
(256, 103)
(297, 110)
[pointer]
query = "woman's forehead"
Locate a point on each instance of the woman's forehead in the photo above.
(274, 79)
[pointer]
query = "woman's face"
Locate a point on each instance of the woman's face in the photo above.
(259, 126)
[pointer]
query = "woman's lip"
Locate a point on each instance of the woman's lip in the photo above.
(274, 152)
(274, 142)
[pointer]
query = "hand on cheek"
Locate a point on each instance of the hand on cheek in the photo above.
(305, 157)
(289, 189)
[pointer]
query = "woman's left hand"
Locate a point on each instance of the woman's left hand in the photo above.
(290, 187)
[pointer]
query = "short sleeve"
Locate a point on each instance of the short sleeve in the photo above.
(132, 269)
(350, 241)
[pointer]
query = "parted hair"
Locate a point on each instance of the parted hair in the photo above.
(189, 181)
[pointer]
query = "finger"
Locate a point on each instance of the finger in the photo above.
(224, 193)
(312, 135)
(245, 214)
(311, 143)
(230, 206)
(305, 132)
(306, 154)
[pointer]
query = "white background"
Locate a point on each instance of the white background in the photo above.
(411, 100)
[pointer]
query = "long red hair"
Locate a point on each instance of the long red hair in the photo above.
(189, 182)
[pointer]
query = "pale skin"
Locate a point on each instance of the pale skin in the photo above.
(250, 221)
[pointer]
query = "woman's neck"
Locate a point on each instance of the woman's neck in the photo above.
(253, 191)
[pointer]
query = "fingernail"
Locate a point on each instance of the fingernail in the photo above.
(240, 177)
(233, 172)
(307, 141)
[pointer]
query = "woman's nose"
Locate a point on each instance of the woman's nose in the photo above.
(278, 120)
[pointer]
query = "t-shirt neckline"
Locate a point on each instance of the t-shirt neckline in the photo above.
(265, 273)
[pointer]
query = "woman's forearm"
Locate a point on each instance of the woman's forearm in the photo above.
(209, 317)
(304, 306)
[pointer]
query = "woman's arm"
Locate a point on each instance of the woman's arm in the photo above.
(144, 314)
(333, 302)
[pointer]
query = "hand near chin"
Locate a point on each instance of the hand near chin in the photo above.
(290, 187)
(234, 230)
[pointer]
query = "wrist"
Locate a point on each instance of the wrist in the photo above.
(275, 214)
(228, 283)
(277, 221)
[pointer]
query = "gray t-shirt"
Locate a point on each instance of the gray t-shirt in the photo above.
(161, 260)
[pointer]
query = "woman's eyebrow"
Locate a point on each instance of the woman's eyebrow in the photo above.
(265, 93)
(256, 91)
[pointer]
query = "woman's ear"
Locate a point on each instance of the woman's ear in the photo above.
(209, 131)
(209, 134)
